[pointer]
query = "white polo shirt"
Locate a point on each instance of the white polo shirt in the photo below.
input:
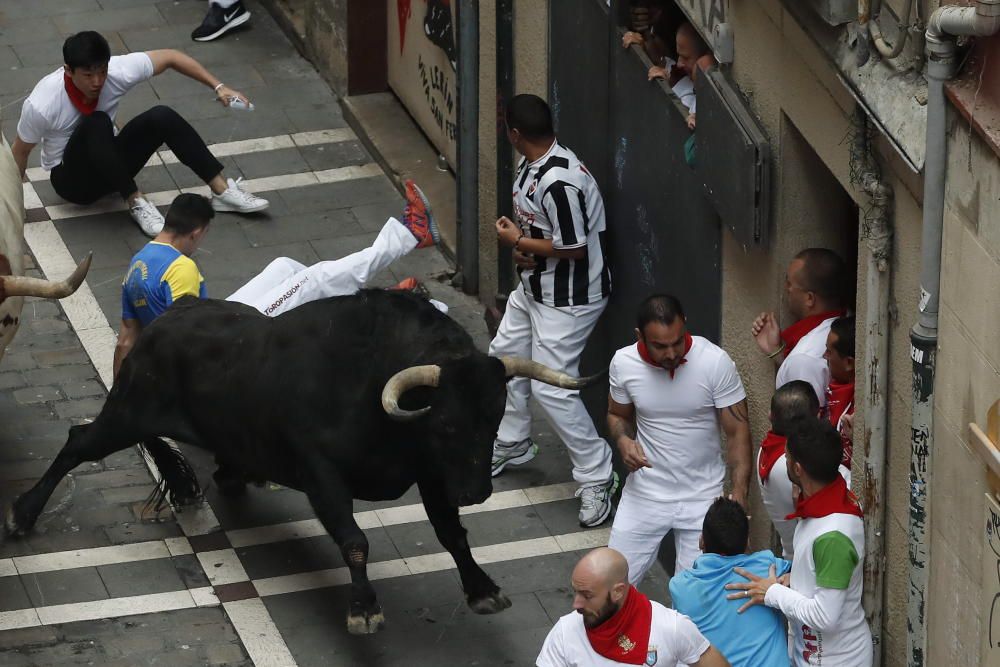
(673, 639)
(676, 420)
(806, 362)
(49, 118)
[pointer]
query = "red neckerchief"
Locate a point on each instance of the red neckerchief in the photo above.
(834, 498)
(793, 334)
(644, 354)
(625, 636)
(771, 449)
(840, 402)
(77, 98)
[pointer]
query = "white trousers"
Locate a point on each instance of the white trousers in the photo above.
(641, 524)
(554, 337)
(285, 283)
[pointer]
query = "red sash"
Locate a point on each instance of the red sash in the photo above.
(644, 354)
(840, 402)
(793, 334)
(834, 498)
(625, 636)
(77, 98)
(771, 449)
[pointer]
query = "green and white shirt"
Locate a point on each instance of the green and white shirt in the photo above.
(823, 605)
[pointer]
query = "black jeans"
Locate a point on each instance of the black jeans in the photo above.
(96, 162)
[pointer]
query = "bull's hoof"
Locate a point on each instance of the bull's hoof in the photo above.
(11, 528)
(365, 624)
(493, 603)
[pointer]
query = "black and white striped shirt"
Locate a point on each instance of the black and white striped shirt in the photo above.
(556, 198)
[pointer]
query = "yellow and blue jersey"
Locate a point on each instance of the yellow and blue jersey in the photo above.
(158, 275)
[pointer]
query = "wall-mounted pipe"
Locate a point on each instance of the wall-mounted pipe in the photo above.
(875, 30)
(877, 235)
(468, 144)
(505, 154)
(944, 24)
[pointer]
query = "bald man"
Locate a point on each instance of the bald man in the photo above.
(614, 624)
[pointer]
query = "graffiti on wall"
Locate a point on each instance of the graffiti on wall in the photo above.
(991, 584)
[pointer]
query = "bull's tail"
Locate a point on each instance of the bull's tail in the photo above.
(177, 477)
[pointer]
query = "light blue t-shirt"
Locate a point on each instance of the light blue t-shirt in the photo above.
(755, 638)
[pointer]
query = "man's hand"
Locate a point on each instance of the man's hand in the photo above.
(632, 455)
(766, 332)
(691, 122)
(631, 38)
(507, 232)
(847, 426)
(657, 73)
(225, 94)
(524, 260)
(754, 591)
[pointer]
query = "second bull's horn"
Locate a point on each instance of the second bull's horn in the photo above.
(525, 368)
(403, 381)
(49, 289)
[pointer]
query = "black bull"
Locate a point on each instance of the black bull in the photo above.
(298, 400)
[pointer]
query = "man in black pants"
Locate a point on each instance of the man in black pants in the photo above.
(71, 114)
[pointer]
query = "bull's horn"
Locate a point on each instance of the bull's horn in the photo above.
(403, 381)
(525, 368)
(49, 289)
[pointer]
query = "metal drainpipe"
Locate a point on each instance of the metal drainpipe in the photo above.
(468, 144)
(877, 233)
(944, 24)
(505, 155)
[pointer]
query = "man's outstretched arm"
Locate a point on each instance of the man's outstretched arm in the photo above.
(164, 59)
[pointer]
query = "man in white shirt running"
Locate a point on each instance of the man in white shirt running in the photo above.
(823, 602)
(71, 113)
(670, 393)
(815, 285)
(612, 623)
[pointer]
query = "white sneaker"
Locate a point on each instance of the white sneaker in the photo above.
(238, 200)
(146, 216)
(595, 502)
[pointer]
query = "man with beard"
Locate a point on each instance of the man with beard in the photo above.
(823, 599)
(671, 396)
(614, 624)
(814, 290)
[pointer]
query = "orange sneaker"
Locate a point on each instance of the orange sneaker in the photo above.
(418, 218)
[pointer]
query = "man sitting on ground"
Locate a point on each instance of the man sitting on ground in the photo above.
(757, 639)
(840, 392)
(823, 604)
(71, 113)
(614, 624)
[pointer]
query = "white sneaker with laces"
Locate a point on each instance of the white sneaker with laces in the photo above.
(237, 200)
(595, 502)
(147, 216)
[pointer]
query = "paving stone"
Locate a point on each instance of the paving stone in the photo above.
(127, 494)
(225, 654)
(12, 596)
(141, 578)
(342, 194)
(83, 407)
(108, 479)
(312, 117)
(185, 178)
(31, 470)
(238, 76)
(110, 20)
(47, 326)
(80, 584)
(336, 155)
(17, 361)
(43, 8)
(83, 389)
(300, 227)
(181, 13)
(67, 373)
(190, 571)
(314, 553)
(132, 532)
(42, 308)
(272, 163)
(372, 217)
(11, 380)
(30, 395)
(28, 31)
(27, 637)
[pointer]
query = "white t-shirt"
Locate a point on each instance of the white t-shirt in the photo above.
(673, 639)
(49, 118)
(676, 420)
(776, 495)
(806, 362)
